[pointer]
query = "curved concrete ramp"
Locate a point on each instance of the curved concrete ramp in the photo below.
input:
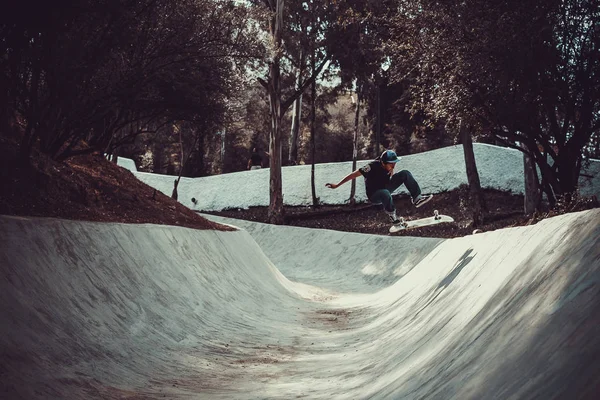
(338, 261)
(93, 310)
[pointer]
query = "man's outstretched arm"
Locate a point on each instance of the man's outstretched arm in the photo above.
(347, 178)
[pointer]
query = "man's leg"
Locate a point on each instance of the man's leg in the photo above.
(384, 197)
(406, 178)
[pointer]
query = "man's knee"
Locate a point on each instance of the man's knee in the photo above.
(383, 197)
(402, 174)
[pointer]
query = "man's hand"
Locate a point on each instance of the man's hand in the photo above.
(352, 175)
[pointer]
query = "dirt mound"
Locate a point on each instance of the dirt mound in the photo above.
(85, 188)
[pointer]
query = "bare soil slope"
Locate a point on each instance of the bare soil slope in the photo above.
(85, 188)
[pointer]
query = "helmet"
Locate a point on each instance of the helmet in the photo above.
(389, 156)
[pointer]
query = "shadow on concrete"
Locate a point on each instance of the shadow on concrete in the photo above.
(464, 260)
(497, 352)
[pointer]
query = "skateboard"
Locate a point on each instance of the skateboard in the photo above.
(436, 219)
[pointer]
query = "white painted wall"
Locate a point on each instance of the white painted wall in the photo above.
(436, 171)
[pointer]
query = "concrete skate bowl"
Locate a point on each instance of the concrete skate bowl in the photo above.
(112, 311)
(337, 261)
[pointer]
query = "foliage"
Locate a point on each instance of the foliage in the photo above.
(334, 120)
(356, 50)
(279, 32)
(92, 75)
(526, 71)
(405, 131)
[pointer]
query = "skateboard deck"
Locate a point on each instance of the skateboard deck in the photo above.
(417, 223)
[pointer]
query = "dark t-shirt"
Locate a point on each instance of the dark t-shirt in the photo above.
(256, 159)
(376, 177)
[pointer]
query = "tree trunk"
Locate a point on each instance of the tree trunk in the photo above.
(184, 162)
(378, 124)
(477, 201)
(115, 156)
(568, 169)
(158, 156)
(352, 199)
(313, 124)
(532, 184)
(276, 211)
(180, 148)
(223, 138)
(549, 182)
(297, 110)
(200, 167)
(174, 194)
(30, 131)
(277, 108)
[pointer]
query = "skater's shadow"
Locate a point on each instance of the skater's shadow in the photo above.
(464, 260)
(460, 264)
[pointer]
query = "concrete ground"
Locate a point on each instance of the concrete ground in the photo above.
(97, 310)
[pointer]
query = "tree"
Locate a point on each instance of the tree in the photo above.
(301, 19)
(527, 71)
(532, 186)
(352, 199)
(354, 49)
(293, 151)
(478, 206)
(185, 158)
(91, 76)
(277, 105)
(313, 131)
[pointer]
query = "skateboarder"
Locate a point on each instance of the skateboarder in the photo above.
(380, 183)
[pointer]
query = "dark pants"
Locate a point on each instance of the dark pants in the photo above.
(384, 196)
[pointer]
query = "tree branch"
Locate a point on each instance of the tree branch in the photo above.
(287, 103)
(269, 4)
(263, 82)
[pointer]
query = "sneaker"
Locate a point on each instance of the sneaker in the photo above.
(420, 200)
(392, 216)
